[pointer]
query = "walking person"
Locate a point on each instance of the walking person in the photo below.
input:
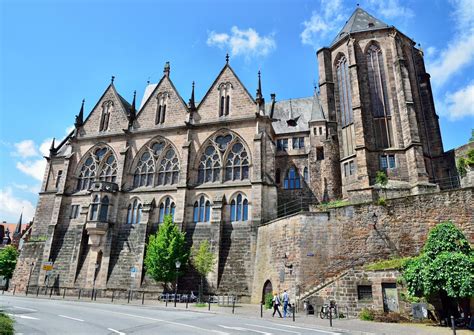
(286, 300)
(276, 304)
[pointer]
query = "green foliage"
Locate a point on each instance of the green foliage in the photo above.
(163, 250)
(39, 238)
(8, 258)
(6, 325)
(382, 202)
(409, 298)
(335, 204)
(463, 162)
(446, 264)
(387, 264)
(367, 314)
(202, 258)
(268, 301)
(381, 178)
(200, 304)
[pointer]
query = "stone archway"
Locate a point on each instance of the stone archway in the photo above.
(267, 288)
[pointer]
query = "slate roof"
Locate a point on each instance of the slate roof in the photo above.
(359, 21)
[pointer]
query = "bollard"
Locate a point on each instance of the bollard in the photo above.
(113, 293)
(166, 301)
(330, 316)
(129, 292)
(80, 291)
(37, 290)
(143, 297)
(187, 301)
(14, 289)
(92, 294)
(50, 292)
(233, 304)
(293, 309)
(64, 292)
(95, 295)
(453, 325)
(261, 309)
(209, 303)
(27, 288)
(3, 291)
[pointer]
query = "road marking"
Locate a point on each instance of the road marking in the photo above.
(68, 317)
(310, 329)
(171, 322)
(272, 328)
(116, 331)
(244, 329)
(26, 309)
(23, 316)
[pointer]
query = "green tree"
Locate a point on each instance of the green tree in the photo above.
(8, 258)
(464, 162)
(203, 260)
(445, 267)
(382, 179)
(164, 248)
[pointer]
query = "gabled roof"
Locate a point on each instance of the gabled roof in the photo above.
(359, 21)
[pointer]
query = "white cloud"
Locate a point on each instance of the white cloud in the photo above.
(247, 43)
(69, 129)
(28, 188)
(392, 9)
(34, 168)
(25, 149)
(460, 103)
(12, 207)
(45, 146)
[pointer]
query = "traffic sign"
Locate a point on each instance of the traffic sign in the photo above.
(48, 266)
(133, 272)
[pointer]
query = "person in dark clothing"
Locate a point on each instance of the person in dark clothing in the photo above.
(276, 304)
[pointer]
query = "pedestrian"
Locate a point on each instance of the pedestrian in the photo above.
(286, 300)
(276, 303)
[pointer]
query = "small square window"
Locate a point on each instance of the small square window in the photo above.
(351, 168)
(383, 162)
(58, 178)
(74, 211)
(346, 169)
(298, 142)
(320, 130)
(282, 144)
(391, 161)
(364, 292)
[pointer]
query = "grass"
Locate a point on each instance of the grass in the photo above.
(6, 325)
(200, 304)
(335, 204)
(387, 264)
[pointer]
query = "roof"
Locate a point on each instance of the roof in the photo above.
(301, 111)
(359, 21)
(148, 91)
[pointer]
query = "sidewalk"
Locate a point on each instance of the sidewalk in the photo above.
(253, 311)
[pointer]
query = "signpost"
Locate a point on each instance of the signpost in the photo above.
(133, 272)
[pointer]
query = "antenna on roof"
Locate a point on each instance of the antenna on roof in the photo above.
(112, 79)
(148, 81)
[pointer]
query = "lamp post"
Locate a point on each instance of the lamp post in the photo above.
(29, 277)
(178, 265)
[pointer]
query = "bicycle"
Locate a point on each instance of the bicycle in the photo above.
(328, 311)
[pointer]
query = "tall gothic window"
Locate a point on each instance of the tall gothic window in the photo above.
(202, 210)
(224, 159)
(167, 207)
(104, 119)
(99, 163)
(104, 208)
(134, 212)
(224, 98)
(292, 179)
(161, 108)
(239, 209)
(158, 165)
(346, 115)
(237, 164)
(379, 97)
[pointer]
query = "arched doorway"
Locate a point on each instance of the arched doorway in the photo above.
(267, 288)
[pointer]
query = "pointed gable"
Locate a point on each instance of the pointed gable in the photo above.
(109, 114)
(241, 102)
(163, 93)
(359, 21)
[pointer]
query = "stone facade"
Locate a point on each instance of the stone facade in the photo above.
(229, 165)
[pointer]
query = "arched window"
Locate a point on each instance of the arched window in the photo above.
(104, 208)
(169, 169)
(292, 179)
(239, 209)
(161, 108)
(134, 212)
(104, 119)
(237, 164)
(167, 207)
(346, 115)
(210, 166)
(277, 176)
(94, 208)
(202, 210)
(306, 175)
(144, 171)
(224, 98)
(379, 97)
(102, 163)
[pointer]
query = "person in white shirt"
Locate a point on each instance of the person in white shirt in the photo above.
(276, 304)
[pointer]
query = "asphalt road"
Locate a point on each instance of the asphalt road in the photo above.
(39, 316)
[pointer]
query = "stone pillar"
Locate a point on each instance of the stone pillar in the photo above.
(217, 222)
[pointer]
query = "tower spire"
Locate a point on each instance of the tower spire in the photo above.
(52, 149)
(132, 115)
(227, 58)
(167, 69)
(80, 117)
(112, 80)
(18, 225)
(192, 105)
(259, 98)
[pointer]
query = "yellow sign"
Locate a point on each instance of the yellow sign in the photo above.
(48, 266)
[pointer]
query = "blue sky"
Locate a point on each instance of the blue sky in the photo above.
(55, 53)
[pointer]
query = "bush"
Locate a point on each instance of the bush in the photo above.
(367, 314)
(382, 202)
(6, 325)
(268, 301)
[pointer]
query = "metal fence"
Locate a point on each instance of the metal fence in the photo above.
(295, 206)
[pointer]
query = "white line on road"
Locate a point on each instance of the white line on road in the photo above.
(68, 317)
(23, 316)
(272, 328)
(116, 331)
(244, 329)
(26, 309)
(311, 329)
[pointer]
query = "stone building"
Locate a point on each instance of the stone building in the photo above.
(228, 165)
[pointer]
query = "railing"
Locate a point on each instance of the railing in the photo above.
(449, 183)
(295, 206)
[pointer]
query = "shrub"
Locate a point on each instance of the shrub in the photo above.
(367, 314)
(268, 301)
(382, 202)
(6, 325)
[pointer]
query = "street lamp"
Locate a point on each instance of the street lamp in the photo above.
(178, 265)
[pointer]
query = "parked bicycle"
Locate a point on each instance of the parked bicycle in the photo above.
(328, 310)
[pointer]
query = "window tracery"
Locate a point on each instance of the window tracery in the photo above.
(224, 98)
(161, 108)
(100, 163)
(239, 209)
(134, 212)
(105, 116)
(167, 207)
(292, 179)
(202, 210)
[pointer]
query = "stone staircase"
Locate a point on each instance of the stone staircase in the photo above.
(321, 285)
